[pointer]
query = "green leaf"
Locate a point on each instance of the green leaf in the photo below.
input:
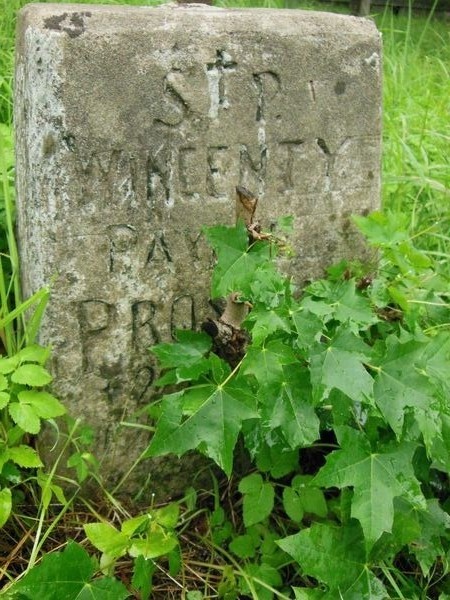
(266, 363)
(167, 516)
(136, 525)
(376, 477)
(265, 322)
(4, 399)
(353, 308)
(44, 404)
(399, 385)
(335, 556)
(273, 458)
(243, 546)
(107, 539)
(340, 365)
(312, 498)
(3, 382)
(143, 571)
(8, 364)
(34, 353)
(25, 417)
(32, 375)
(384, 228)
(156, 543)
(5, 505)
(265, 573)
(68, 575)
(236, 261)
(292, 504)
(291, 409)
(258, 498)
(189, 349)
(309, 327)
(24, 456)
(302, 497)
(215, 416)
(434, 524)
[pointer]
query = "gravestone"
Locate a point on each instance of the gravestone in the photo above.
(134, 126)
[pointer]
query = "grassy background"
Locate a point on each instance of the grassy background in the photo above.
(416, 163)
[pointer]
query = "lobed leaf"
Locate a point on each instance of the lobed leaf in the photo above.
(215, 418)
(68, 575)
(376, 477)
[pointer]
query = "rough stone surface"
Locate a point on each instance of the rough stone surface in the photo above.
(134, 125)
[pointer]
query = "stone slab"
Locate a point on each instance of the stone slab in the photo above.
(134, 126)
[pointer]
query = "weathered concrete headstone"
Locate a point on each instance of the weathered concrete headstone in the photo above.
(134, 125)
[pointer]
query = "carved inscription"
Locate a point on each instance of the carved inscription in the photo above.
(217, 82)
(268, 85)
(123, 240)
(143, 327)
(175, 107)
(96, 319)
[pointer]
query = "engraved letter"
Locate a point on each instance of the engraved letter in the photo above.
(216, 81)
(219, 169)
(95, 318)
(191, 167)
(176, 107)
(123, 239)
(253, 171)
(268, 85)
(145, 333)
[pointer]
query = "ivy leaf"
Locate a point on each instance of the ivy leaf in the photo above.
(292, 411)
(376, 477)
(189, 349)
(399, 386)
(265, 322)
(266, 363)
(258, 498)
(340, 365)
(435, 522)
(384, 228)
(236, 261)
(213, 422)
(351, 307)
(309, 327)
(335, 556)
(68, 575)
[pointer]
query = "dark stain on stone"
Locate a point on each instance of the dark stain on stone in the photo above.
(55, 22)
(339, 88)
(74, 26)
(48, 145)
